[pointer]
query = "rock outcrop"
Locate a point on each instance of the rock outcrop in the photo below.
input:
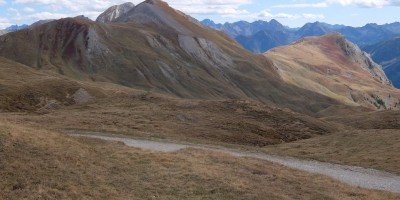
(114, 12)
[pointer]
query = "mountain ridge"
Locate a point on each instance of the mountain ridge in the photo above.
(365, 35)
(146, 50)
(333, 66)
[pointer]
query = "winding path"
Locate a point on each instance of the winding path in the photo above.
(357, 176)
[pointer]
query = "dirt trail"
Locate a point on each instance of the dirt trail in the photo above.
(357, 176)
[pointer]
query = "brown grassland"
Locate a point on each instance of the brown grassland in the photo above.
(144, 114)
(367, 139)
(40, 164)
(39, 161)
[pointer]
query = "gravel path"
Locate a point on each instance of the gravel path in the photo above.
(357, 176)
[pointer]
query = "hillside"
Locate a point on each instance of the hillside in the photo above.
(154, 47)
(332, 66)
(26, 89)
(387, 54)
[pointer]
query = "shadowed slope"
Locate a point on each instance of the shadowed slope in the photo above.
(23, 88)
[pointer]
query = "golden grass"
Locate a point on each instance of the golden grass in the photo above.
(378, 149)
(319, 64)
(150, 115)
(41, 164)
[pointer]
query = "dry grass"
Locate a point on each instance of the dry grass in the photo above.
(150, 115)
(378, 149)
(320, 64)
(368, 120)
(25, 89)
(36, 163)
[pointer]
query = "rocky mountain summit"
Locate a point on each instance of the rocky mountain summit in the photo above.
(114, 12)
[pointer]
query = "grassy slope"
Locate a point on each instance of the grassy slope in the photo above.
(149, 58)
(319, 64)
(152, 115)
(25, 89)
(378, 149)
(36, 163)
(369, 120)
(368, 139)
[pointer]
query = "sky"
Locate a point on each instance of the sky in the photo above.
(292, 13)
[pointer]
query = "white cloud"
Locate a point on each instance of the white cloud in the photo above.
(360, 3)
(312, 16)
(267, 15)
(2, 2)
(4, 23)
(28, 10)
(94, 7)
(303, 5)
(3, 20)
(45, 15)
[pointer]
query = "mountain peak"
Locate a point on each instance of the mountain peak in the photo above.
(208, 22)
(155, 2)
(335, 67)
(159, 14)
(335, 35)
(114, 12)
(340, 49)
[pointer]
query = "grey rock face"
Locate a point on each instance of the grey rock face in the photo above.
(114, 12)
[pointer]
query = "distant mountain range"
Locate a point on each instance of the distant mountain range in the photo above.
(24, 26)
(13, 28)
(260, 36)
(16, 27)
(387, 54)
(381, 41)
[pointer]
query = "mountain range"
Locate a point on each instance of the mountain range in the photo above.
(260, 36)
(387, 54)
(154, 47)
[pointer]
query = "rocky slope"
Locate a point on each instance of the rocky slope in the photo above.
(114, 12)
(154, 47)
(334, 67)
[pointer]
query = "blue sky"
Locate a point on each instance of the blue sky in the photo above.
(293, 13)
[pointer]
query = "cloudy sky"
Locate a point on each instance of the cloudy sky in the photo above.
(293, 13)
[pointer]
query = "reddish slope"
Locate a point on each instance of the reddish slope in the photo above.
(334, 67)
